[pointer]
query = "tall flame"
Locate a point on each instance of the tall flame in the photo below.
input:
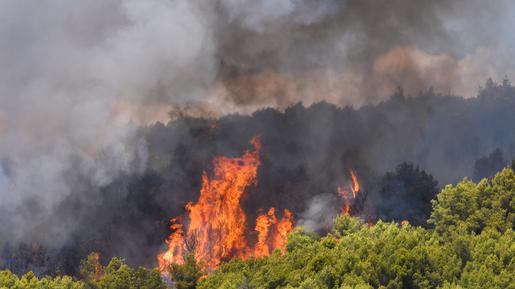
(217, 224)
(355, 184)
(176, 247)
(349, 197)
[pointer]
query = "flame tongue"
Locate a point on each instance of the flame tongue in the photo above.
(355, 184)
(272, 234)
(176, 247)
(217, 224)
(349, 197)
(282, 229)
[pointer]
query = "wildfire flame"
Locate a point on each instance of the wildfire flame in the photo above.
(272, 234)
(355, 184)
(347, 197)
(217, 224)
(176, 247)
(98, 271)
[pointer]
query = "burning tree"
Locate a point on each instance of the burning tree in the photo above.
(217, 225)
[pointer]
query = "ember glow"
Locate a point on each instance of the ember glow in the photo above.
(217, 230)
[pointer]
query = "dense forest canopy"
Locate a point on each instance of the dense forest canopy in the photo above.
(469, 245)
(189, 144)
(403, 150)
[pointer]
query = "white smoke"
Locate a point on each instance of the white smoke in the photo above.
(320, 213)
(79, 78)
(72, 75)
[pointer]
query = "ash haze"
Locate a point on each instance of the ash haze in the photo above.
(79, 80)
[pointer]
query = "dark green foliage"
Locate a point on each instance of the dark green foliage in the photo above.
(91, 270)
(470, 208)
(185, 276)
(116, 275)
(406, 194)
(306, 151)
(470, 247)
(384, 255)
(30, 281)
(486, 167)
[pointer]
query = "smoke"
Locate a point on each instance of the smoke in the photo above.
(81, 81)
(320, 212)
(359, 52)
(78, 81)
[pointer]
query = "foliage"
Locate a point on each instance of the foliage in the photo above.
(486, 167)
(30, 281)
(116, 275)
(470, 208)
(406, 194)
(185, 275)
(471, 246)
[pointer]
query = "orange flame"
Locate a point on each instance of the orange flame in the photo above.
(272, 234)
(344, 193)
(98, 272)
(283, 228)
(176, 247)
(217, 224)
(355, 186)
(346, 209)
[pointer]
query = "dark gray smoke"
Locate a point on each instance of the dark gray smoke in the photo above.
(80, 82)
(357, 52)
(306, 154)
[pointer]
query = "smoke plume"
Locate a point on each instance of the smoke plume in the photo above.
(84, 85)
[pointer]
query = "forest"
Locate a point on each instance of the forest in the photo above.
(257, 144)
(466, 243)
(404, 151)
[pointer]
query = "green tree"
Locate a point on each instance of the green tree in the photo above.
(299, 239)
(8, 279)
(148, 279)
(345, 225)
(29, 281)
(92, 270)
(117, 275)
(470, 246)
(486, 167)
(406, 194)
(186, 276)
(470, 208)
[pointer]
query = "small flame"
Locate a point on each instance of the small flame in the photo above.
(98, 271)
(176, 247)
(404, 222)
(355, 184)
(346, 209)
(347, 197)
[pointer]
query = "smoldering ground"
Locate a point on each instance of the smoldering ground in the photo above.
(82, 168)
